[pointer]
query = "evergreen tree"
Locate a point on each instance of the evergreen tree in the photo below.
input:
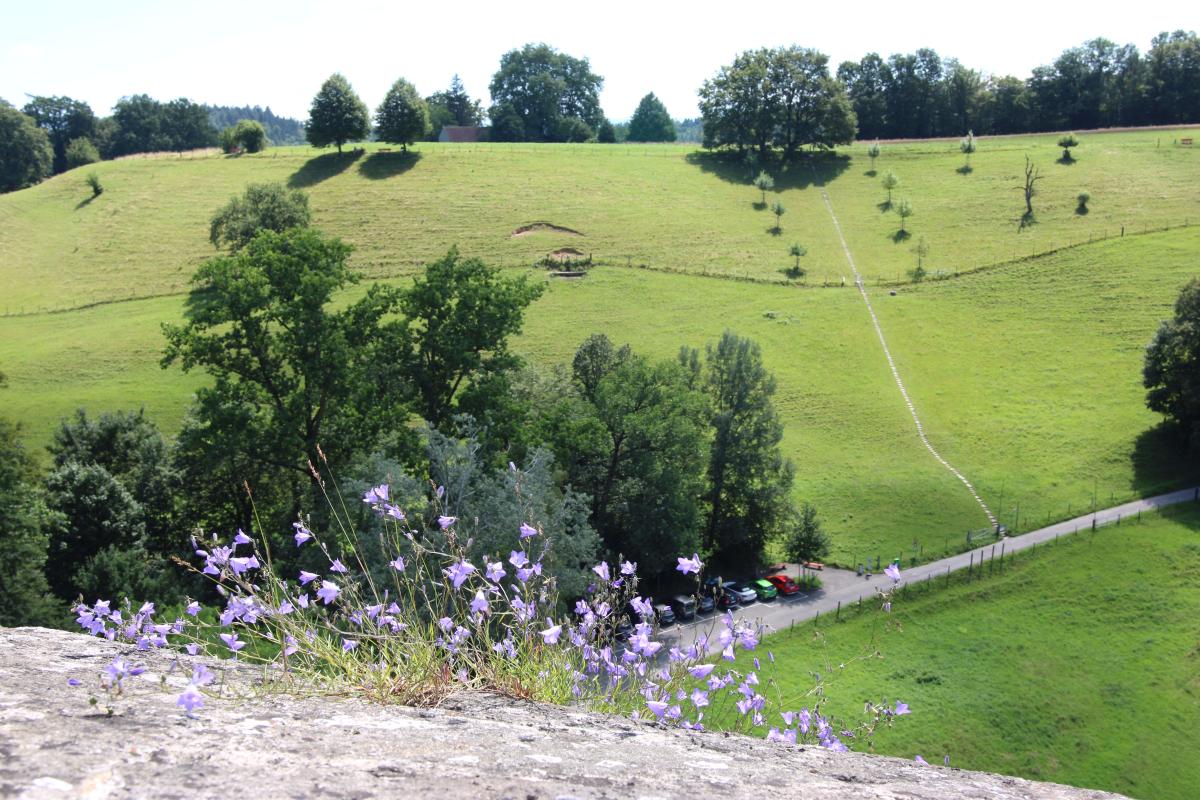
(403, 117)
(651, 122)
(337, 115)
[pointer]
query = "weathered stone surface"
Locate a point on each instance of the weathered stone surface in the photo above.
(54, 745)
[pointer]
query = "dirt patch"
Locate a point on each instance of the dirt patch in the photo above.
(538, 227)
(565, 254)
(574, 273)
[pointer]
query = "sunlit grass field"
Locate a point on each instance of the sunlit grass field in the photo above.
(1026, 374)
(1076, 664)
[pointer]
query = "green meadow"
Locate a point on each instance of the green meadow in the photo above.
(1026, 373)
(1075, 664)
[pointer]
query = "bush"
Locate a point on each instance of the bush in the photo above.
(264, 206)
(81, 152)
(93, 181)
(250, 135)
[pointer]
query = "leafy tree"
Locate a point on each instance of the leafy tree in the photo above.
(639, 452)
(280, 130)
(493, 503)
(764, 183)
(116, 527)
(890, 182)
(453, 107)
(81, 152)
(572, 129)
(143, 124)
(64, 120)
(594, 359)
(873, 153)
(606, 134)
(1171, 370)
(25, 152)
(542, 86)
(337, 115)
(866, 83)
(403, 117)
(748, 480)
(651, 122)
(460, 314)
(250, 135)
(905, 210)
(507, 125)
(781, 98)
(294, 382)
(921, 249)
(806, 539)
(24, 594)
(1066, 142)
(778, 210)
(797, 250)
(263, 206)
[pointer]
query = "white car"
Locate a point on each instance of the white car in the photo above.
(743, 592)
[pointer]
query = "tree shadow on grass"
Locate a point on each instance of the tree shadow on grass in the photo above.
(85, 201)
(804, 170)
(1162, 461)
(322, 168)
(1081, 211)
(1066, 161)
(775, 230)
(965, 169)
(870, 173)
(885, 206)
(1028, 220)
(759, 205)
(381, 166)
(900, 236)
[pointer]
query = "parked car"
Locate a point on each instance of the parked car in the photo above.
(706, 604)
(726, 601)
(764, 589)
(784, 585)
(665, 615)
(684, 606)
(742, 590)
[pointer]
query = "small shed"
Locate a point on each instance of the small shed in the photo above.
(462, 133)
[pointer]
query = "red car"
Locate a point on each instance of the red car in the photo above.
(784, 584)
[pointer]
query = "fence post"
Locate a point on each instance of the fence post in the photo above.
(839, 609)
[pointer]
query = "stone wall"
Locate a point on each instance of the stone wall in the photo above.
(268, 745)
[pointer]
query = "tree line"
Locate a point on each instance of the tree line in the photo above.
(309, 397)
(1096, 85)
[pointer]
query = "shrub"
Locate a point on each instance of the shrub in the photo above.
(93, 181)
(250, 135)
(81, 152)
(1066, 142)
(1083, 198)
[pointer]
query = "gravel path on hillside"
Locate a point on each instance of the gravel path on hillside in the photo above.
(862, 290)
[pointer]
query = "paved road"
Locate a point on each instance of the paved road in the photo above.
(781, 613)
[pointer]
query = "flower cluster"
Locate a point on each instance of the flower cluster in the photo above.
(434, 619)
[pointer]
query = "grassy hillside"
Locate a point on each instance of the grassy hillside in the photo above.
(1026, 374)
(669, 207)
(1076, 665)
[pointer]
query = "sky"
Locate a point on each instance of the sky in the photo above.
(277, 54)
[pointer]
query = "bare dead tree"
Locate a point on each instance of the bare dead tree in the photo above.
(1032, 176)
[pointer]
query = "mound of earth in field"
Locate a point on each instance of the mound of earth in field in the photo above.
(565, 254)
(544, 227)
(472, 745)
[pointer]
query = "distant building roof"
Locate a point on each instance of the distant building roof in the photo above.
(461, 133)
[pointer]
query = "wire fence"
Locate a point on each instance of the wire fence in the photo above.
(995, 561)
